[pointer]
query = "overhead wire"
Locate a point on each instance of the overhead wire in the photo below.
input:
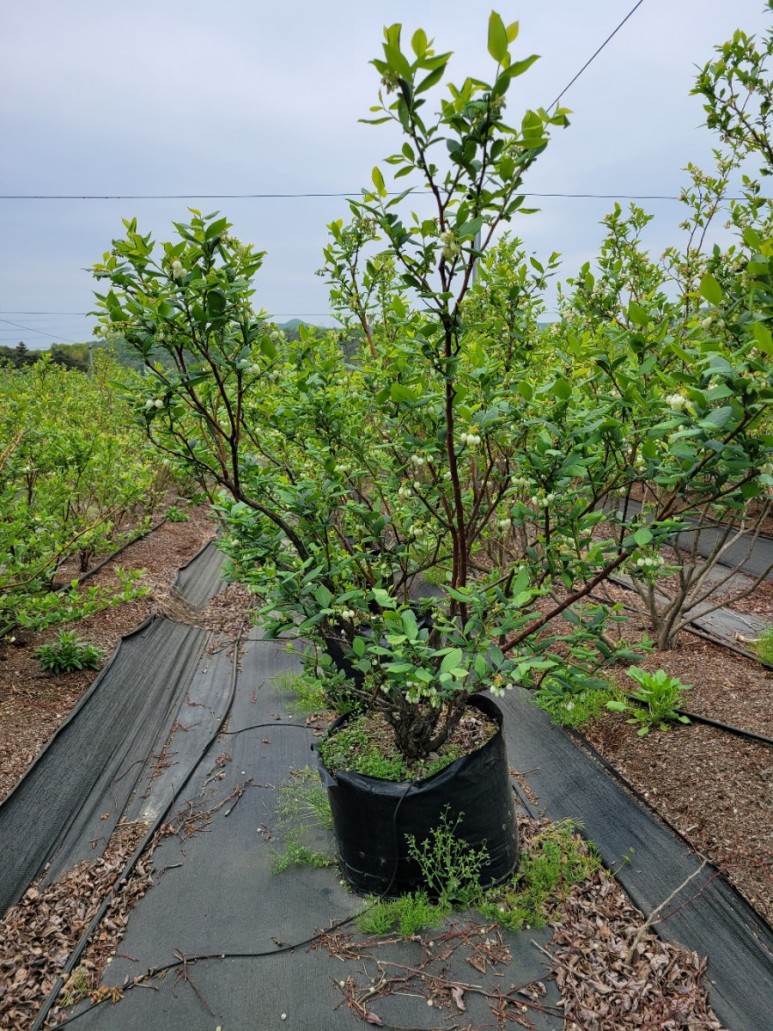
(596, 53)
(296, 196)
(334, 194)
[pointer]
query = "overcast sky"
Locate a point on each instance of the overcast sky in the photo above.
(241, 97)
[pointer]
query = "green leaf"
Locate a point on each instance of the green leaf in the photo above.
(419, 42)
(323, 596)
(637, 314)
(358, 646)
(497, 38)
(378, 181)
(451, 660)
(521, 581)
(383, 598)
(763, 337)
(519, 67)
(268, 347)
(710, 289)
(469, 229)
(410, 625)
(718, 418)
(642, 536)
(398, 392)
(562, 389)
(434, 76)
(215, 304)
(399, 667)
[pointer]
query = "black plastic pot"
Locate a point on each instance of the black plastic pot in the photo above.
(372, 817)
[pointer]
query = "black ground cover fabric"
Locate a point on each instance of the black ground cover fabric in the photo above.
(85, 773)
(75, 792)
(651, 861)
(220, 896)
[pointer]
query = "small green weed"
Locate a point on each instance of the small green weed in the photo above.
(764, 646)
(76, 986)
(308, 693)
(68, 654)
(296, 854)
(570, 708)
(302, 813)
(661, 696)
(557, 860)
(449, 866)
(176, 515)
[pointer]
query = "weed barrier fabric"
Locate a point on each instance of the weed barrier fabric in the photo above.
(75, 792)
(69, 801)
(219, 895)
(650, 861)
(374, 818)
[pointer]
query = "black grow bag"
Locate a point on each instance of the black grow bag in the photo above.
(372, 817)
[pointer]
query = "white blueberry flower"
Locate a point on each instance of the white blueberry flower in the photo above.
(451, 246)
(676, 401)
(177, 269)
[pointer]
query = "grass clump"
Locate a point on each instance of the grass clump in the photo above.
(575, 708)
(302, 817)
(307, 694)
(406, 915)
(557, 859)
(68, 654)
(764, 646)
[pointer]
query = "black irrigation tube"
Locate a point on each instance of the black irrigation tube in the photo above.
(205, 957)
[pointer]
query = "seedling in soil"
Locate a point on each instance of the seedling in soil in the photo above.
(661, 697)
(68, 654)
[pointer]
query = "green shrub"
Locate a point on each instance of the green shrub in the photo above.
(68, 654)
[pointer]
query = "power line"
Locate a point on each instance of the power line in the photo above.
(593, 56)
(295, 196)
(42, 332)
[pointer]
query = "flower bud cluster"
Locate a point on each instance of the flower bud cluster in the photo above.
(544, 500)
(469, 439)
(650, 562)
(418, 461)
(451, 246)
(247, 366)
(177, 269)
